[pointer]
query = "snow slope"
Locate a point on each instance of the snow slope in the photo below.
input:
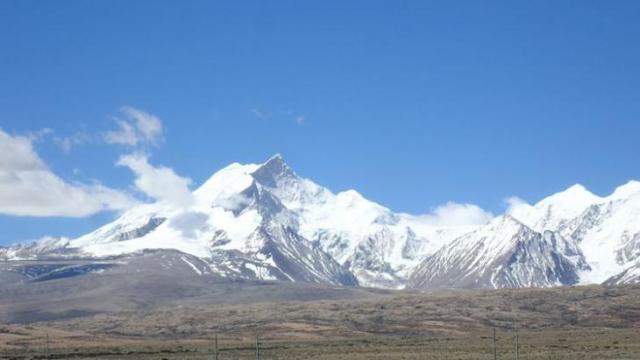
(263, 221)
(503, 254)
(607, 229)
(570, 237)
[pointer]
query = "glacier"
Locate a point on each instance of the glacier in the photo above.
(263, 221)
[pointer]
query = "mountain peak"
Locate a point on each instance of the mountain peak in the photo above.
(505, 221)
(626, 190)
(577, 191)
(271, 170)
(275, 165)
(575, 196)
(277, 157)
(507, 218)
(577, 188)
(504, 228)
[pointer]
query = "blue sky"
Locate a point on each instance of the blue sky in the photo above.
(411, 103)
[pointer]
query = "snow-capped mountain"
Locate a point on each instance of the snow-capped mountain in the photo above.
(609, 233)
(554, 211)
(263, 221)
(630, 275)
(607, 229)
(567, 238)
(503, 254)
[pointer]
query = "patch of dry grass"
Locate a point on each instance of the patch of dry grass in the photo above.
(562, 323)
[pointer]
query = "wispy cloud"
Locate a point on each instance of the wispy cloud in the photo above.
(29, 188)
(67, 143)
(282, 115)
(455, 214)
(136, 127)
(159, 183)
(39, 134)
(260, 114)
(189, 222)
(517, 207)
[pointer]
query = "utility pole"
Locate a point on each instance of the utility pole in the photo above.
(257, 347)
(495, 351)
(47, 347)
(517, 348)
(215, 347)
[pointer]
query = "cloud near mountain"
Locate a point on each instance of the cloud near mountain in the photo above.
(263, 221)
(28, 187)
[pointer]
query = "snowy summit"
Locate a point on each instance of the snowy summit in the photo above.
(263, 221)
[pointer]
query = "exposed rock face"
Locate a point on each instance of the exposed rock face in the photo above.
(264, 222)
(503, 254)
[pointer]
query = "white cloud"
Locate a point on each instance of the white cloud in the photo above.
(67, 143)
(513, 202)
(17, 154)
(282, 115)
(160, 183)
(234, 203)
(259, 113)
(40, 134)
(125, 135)
(455, 214)
(148, 125)
(189, 222)
(29, 188)
(137, 128)
(517, 207)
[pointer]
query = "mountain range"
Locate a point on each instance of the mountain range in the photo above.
(264, 222)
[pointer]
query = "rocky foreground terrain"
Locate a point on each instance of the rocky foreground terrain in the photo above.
(300, 321)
